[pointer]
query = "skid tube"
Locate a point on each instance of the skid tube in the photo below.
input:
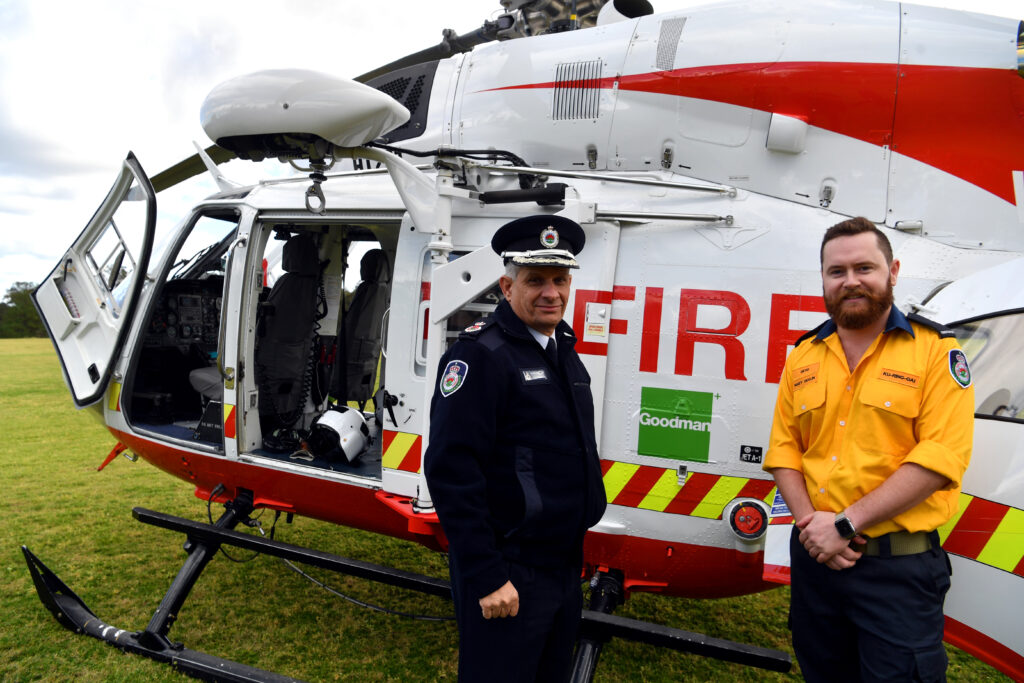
(597, 627)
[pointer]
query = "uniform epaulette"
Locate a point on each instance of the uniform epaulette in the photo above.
(941, 329)
(809, 333)
(476, 328)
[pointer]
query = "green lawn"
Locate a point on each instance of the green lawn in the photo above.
(78, 521)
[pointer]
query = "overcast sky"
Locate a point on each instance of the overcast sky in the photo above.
(82, 83)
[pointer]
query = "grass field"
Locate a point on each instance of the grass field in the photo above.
(78, 521)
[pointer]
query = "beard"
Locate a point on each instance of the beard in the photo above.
(876, 306)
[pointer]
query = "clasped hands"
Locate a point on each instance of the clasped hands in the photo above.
(819, 537)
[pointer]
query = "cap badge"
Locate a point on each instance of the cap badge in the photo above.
(549, 238)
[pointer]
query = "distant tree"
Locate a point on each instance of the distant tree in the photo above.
(18, 316)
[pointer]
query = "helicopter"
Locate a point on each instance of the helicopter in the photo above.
(704, 151)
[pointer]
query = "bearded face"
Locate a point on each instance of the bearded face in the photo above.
(857, 282)
(857, 308)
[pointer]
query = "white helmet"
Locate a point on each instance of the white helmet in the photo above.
(340, 428)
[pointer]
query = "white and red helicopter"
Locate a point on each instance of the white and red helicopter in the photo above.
(704, 151)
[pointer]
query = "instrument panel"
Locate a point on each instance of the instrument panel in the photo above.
(188, 313)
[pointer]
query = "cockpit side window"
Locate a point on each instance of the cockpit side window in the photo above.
(992, 345)
(173, 379)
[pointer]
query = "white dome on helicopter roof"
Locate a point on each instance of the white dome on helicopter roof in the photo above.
(276, 111)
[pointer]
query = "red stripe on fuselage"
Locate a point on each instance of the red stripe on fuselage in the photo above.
(964, 121)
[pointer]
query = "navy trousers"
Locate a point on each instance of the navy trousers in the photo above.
(880, 620)
(535, 645)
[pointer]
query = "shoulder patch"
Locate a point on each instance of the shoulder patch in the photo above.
(453, 377)
(809, 334)
(958, 368)
(939, 328)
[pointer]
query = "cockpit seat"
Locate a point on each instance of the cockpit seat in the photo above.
(207, 382)
(285, 333)
(354, 377)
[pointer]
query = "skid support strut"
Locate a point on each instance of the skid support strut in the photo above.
(598, 626)
(203, 542)
(199, 555)
(605, 596)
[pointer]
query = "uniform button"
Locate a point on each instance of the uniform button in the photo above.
(821, 490)
(833, 458)
(803, 407)
(849, 388)
(842, 423)
(888, 404)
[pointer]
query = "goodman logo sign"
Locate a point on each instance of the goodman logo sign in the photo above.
(675, 424)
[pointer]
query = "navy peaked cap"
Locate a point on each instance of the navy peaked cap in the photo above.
(540, 241)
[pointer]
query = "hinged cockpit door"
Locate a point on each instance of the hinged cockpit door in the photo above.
(88, 300)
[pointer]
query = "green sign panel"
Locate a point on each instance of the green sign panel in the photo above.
(675, 424)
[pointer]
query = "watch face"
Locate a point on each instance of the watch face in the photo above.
(845, 528)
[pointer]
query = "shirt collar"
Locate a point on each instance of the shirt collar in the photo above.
(895, 321)
(541, 338)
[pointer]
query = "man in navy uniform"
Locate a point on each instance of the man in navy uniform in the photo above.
(513, 467)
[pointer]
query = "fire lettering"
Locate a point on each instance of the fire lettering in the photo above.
(727, 337)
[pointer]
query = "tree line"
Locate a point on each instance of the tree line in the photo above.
(18, 316)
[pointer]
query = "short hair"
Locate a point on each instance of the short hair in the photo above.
(512, 270)
(856, 226)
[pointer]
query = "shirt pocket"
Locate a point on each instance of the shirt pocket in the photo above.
(890, 397)
(808, 398)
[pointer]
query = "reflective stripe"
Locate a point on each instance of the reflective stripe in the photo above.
(987, 532)
(401, 451)
(616, 478)
(1006, 548)
(114, 402)
(229, 421)
(657, 489)
(724, 490)
(662, 493)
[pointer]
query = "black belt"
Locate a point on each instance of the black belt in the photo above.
(899, 543)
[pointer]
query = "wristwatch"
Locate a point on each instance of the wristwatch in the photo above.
(845, 527)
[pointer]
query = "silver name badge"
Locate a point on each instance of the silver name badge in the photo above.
(535, 375)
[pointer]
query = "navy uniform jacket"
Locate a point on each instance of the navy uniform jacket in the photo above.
(512, 463)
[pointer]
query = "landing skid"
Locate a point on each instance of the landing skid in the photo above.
(597, 627)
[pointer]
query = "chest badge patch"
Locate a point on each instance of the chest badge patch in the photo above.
(958, 368)
(808, 374)
(532, 375)
(897, 377)
(453, 378)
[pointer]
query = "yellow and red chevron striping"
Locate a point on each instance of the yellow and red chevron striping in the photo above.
(986, 531)
(401, 451)
(658, 489)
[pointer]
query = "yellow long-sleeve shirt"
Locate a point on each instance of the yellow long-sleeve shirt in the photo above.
(909, 400)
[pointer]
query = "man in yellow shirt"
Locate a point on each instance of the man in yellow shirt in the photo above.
(870, 440)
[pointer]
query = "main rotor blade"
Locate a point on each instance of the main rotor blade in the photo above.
(191, 166)
(450, 44)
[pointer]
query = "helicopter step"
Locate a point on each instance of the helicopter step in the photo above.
(598, 625)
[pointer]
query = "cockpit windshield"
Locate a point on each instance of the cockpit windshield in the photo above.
(992, 345)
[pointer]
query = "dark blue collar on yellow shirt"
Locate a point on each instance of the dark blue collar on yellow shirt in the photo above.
(895, 321)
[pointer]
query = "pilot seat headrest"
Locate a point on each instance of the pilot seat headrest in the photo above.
(374, 266)
(300, 255)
